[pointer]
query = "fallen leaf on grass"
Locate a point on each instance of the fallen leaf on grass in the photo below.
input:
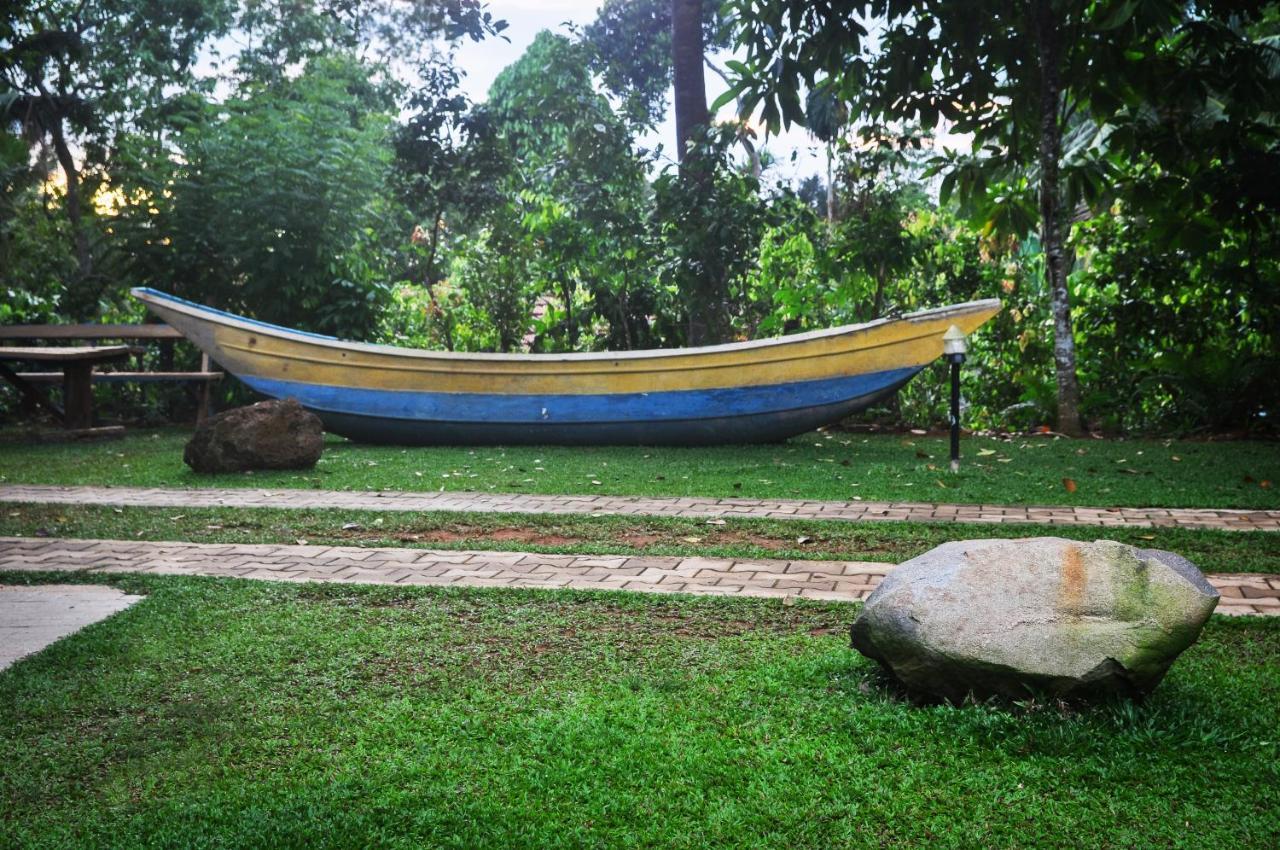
(691, 539)
(1264, 484)
(1146, 537)
(715, 522)
(1175, 459)
(351, 526)
(986, 452)
(1069, 484)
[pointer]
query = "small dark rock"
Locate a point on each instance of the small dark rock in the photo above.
(267, 435)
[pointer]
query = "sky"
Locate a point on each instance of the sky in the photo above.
(526, 18)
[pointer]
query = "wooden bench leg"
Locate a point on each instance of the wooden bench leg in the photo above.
(202, 404)
(77, 394)
(204, 393)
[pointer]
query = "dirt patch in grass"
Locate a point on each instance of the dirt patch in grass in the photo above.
(641, 540)
(496, 535)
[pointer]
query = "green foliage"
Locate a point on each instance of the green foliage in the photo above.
(35, 257)
(799, 303)
(710, 217)
(493, 275)
(278, 207)
(1197, 332)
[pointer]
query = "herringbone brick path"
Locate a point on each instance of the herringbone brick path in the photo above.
(1230, 520)
(832, 580)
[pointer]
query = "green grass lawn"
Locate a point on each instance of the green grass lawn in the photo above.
(834, 465)
(1212, 551)
(220, 713)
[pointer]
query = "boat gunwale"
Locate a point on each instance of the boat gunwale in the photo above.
(214, 316)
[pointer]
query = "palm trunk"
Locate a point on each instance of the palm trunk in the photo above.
(690, 100)
(831, 192)
(1052, 224)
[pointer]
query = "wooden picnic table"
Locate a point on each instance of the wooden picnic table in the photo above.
(163, 335)
(76, 363)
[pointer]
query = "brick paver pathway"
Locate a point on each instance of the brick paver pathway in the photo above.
(1231, 520)
(832, 580)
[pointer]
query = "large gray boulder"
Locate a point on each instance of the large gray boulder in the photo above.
(1042, 615)
(267, 435)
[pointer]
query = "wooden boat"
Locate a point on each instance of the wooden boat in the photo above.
(743, 392)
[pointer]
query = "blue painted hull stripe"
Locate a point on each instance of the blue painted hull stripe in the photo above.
(612, 407)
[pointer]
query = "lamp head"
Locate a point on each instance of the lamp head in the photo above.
(954, 344)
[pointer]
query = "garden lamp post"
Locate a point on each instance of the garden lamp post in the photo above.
(954, 347)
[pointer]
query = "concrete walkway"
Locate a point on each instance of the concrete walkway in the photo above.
(832, 580)
(1228, 520)
(34, 616)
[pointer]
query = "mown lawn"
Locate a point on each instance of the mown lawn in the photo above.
(1212, 551)
(835, 465)
(221, 713)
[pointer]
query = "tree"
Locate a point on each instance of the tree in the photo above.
(279, 205)
(631, 50)
(76, 72)
(281, 34)
(451, 171)
(582, 188)
(710, 219)
(1033, 82)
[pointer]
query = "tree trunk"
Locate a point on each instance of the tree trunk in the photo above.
(831, 192)
(690, 100)
(1052, 221)
(75, 213)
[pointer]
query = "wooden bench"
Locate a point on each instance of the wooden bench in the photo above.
(162, 334)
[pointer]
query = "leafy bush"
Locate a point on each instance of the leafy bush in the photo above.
(279, 206)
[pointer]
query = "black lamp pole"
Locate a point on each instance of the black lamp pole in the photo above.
(954, 347)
